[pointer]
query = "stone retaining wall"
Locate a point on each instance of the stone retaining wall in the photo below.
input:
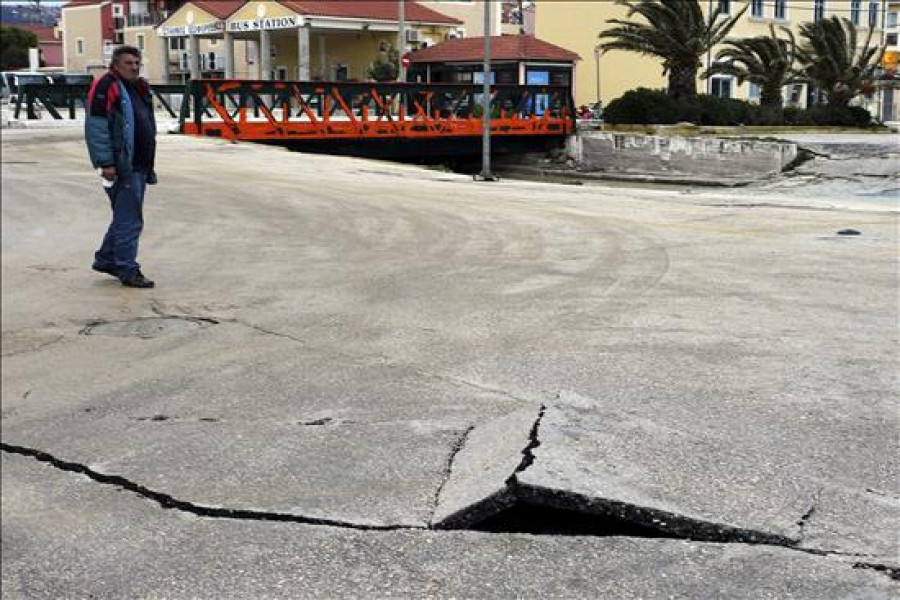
(636, 154)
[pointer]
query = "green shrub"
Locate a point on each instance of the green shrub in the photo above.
(642, 106)
(853, 116)
(654, 107)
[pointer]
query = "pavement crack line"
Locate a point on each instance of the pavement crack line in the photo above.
(448, 468)
(161, 313)
(528, 452)
(527, 494)
(168, 502)
(892, 572)
(472, 384)
(34, 348)
(262, 329)
(804, 519)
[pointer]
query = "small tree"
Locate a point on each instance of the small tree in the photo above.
(831, 59)
(676, 32)
(14, 45)
(767, 61)
(386, 66)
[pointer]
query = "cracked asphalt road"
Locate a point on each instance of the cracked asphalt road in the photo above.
(369, 315)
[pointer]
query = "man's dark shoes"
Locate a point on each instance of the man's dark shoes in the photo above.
(102, 269)
(137, 280)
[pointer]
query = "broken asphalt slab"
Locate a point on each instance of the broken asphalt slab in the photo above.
(605, 461)
(66, 536)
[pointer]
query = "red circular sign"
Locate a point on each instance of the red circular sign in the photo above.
(404, 60)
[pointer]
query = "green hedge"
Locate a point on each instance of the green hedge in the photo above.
(654, 107)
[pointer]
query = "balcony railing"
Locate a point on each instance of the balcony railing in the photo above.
(150, 19)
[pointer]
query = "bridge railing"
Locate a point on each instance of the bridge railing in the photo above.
(59, 99)
(260, 110)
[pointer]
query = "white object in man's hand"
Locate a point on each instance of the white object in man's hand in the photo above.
(108, 174)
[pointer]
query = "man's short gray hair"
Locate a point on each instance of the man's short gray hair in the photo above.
(120, 50)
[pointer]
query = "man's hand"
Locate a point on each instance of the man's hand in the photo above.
(108, 173)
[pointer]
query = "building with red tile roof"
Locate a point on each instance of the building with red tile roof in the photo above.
(303, 39)
(503, 48)
(380, 10)
(515, 59)
(49, 42)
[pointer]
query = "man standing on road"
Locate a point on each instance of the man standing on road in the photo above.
(120, 131)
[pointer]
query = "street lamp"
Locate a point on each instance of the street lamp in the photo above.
(486, 174)
(401, 39)
(598, 52)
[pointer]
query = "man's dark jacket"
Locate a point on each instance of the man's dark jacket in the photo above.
(109, 125)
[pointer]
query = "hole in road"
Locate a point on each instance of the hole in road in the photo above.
(147, 327)
(546, 520)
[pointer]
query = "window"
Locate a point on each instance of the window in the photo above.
(781, 9)
(725, 7)
(891, 20)
(753, 93)
(721, 87)
(79, 46)
(855, 10)
(819, 10)
(756, 9)
(140, 42)
(890, 39)
(873, 15)
(118, 11)
(176, 44)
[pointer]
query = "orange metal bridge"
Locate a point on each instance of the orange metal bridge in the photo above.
(349, 117)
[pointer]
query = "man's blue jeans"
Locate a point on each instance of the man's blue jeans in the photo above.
(118, 253)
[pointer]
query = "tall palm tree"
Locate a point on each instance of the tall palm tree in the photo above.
(831, 58)
(766, 60)
(676, 32)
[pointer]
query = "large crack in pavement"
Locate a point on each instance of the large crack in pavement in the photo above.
(448, 468)
(168, 502)
(515, 508)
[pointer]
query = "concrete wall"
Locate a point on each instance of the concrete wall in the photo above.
(627, 153)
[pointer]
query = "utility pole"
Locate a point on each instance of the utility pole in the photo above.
(486, 174)
(401, 40)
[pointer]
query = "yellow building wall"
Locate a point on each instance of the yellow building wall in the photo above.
(151, 67)
(471, 13)
(251, 10)
(356, 51)
(190, 12)
(83, 23)
(575, 25)
(798, 13)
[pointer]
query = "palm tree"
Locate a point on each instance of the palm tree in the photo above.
(767, 61)
(831, 59)
(676, 32)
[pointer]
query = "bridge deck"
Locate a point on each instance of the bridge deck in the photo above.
(290, 111)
